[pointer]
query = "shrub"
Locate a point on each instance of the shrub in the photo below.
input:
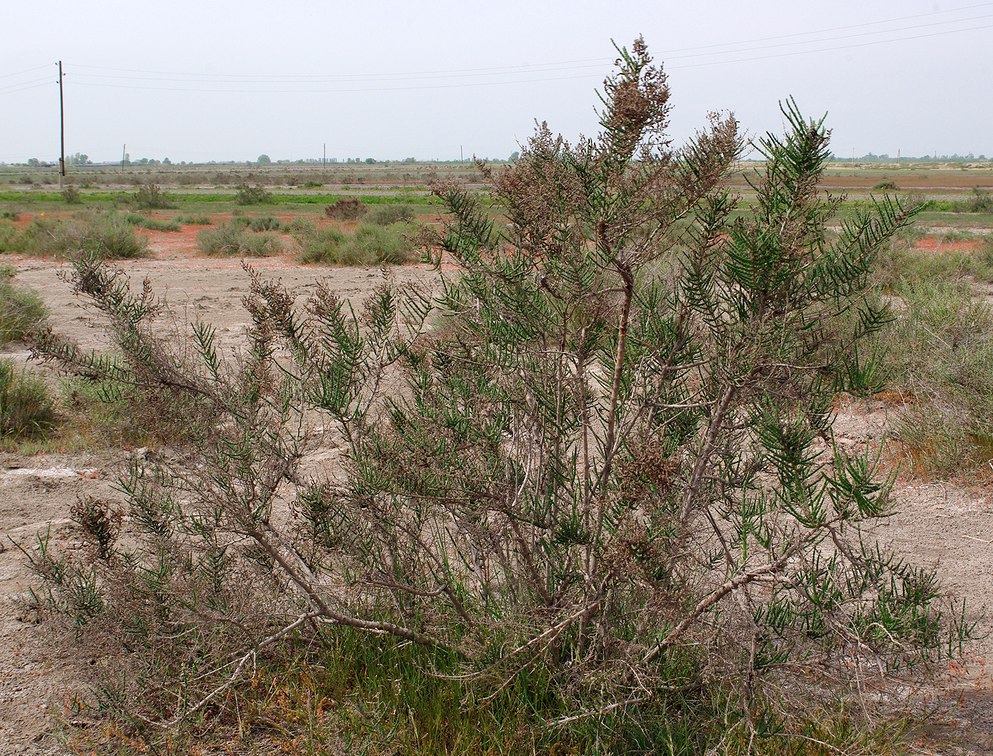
(195, 220)
(301, 227)
(384, 215)
(231, 239)
(264, 223)
(981, 202)
(150, 197)
(153, 224)
(346, 209)
(106, 236)
(21, 309)
(369, 245)
(9, 215)
(606, 486)
(71, 195)
(253, 195)
(887, 186)
(10, 239)
(26, 407)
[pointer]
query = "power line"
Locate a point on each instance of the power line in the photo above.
(18, 73)
(841, 28)
(831, 49)
(363, 78)
(84, 82)
(547, 67)
(25, 84)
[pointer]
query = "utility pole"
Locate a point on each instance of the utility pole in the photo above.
(62, 131)
(124, 156)
(324, 160)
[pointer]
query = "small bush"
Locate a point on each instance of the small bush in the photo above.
(9, 215)
(264, 223)
(195, 220)
(26, 407)
(885, 186)
(385, 215)
(105, 236)
(301, 227)
(10, 239)
(346, 210)
(232, 240)
(153, 224)
(318, 245)
(369, 245)
(150, 197)
(21, 309)
(71, 195)
(981, 201)
(253, 195)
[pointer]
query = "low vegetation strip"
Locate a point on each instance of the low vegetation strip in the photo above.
(213, 196)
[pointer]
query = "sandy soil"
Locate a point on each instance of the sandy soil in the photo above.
(939, 524)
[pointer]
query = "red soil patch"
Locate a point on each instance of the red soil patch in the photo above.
(167, 245)
(935, 244)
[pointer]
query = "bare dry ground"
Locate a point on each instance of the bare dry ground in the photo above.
(947, 525)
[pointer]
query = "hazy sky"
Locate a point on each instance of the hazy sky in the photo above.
(220, 80)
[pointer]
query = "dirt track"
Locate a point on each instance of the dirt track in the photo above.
(938, 524)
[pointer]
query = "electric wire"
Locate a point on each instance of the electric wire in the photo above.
(362, 78)
(84, 83)
(26, 84)
(24, 71)
(548, 67)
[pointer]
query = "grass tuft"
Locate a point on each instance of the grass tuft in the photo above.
(947, 428)
(21, 309)
(26, 407)
(232, 240)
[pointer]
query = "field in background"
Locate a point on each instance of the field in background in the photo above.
(304, 187)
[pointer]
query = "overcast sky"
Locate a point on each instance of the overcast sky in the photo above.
(213, 80)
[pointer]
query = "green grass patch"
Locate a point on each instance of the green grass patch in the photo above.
(940, 353)
(10, 238)
(902, 262)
